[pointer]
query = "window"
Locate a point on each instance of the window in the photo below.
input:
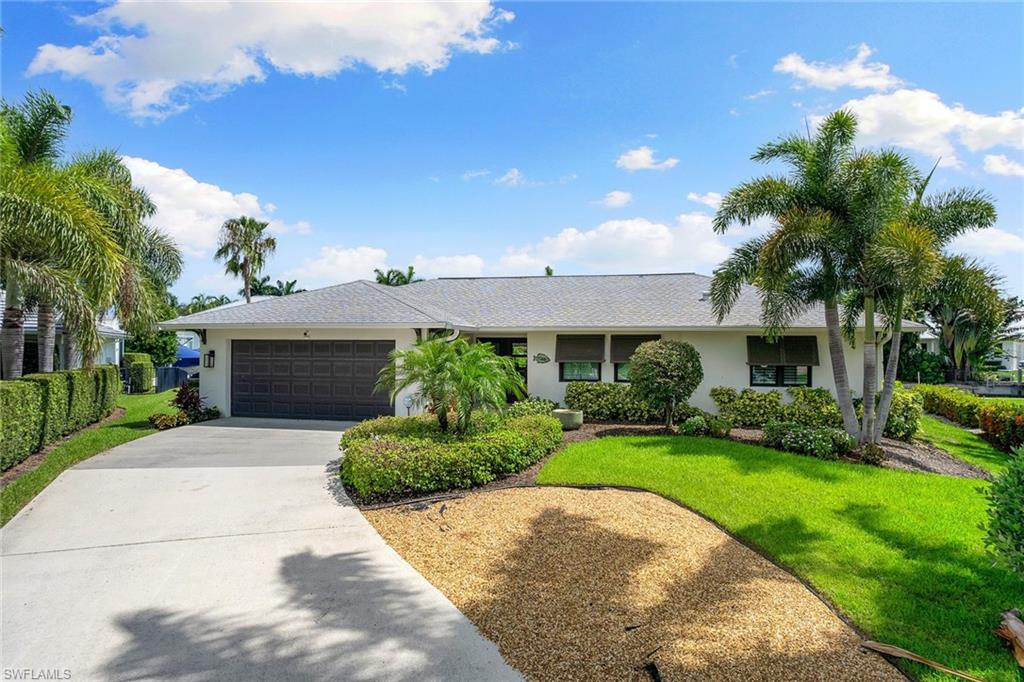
(579, 371)
(780, 375)
(622, 371)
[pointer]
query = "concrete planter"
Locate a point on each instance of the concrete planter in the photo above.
(571, 419)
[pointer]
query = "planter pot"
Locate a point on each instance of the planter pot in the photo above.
(571, 419)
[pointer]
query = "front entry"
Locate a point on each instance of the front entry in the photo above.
(308, 379)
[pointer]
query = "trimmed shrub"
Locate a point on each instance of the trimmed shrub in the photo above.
(190, 409)
(694, 426)
(81, 399)
(749, 407)
(398, 456)
(141, 371)
(1005, 527)
(904, 415)
(603, 401)
(21, 429)
(162, 422)
(824, 442)
(665, 374)
(55, 388)
(107, 390)
(1002, 424)
(718, 427)
(724, 396)
(952, 403)
(812, 407)
(529, 406)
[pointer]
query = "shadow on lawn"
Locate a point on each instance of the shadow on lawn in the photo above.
(347, 618)
(568, 604)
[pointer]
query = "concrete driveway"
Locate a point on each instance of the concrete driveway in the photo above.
(221, 551)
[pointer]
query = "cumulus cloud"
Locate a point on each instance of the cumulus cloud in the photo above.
(617, 198)
(337, 264)
(630, 245)
(1000, 164)
(642, 158)
(991, 241)
(468, 265)
(192, 211)
(710, 199)
(154, 58)
(858, 72)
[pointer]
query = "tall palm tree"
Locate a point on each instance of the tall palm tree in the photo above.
(395, 277)
(244, 248)
(201, 302)
(801, 262)
(260, 287)
(54, 245)
(287, 288)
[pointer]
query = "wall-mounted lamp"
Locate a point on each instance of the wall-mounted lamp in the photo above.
(208, 359)
(408, 404)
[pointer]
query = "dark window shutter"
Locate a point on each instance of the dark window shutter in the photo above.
(762, 352)
(579, 348)
(623, 347)
(800, 350)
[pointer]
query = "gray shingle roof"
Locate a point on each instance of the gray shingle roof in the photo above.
(663, 301)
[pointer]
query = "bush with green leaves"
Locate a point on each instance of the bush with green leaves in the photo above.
(1004, 532)
(952, 403)
(824, 442)
(904, 415)
(607, 402)
(1002, 423)
(160, 346)
(191, 409)
(531, 405)
(921, 366)
(21, 428)
(812, 407)
(664, 374)
(393, 457)
(141, 371)
(56, 405)
(694, 426)
(749, 407)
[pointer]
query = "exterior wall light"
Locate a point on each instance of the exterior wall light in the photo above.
(208, 359)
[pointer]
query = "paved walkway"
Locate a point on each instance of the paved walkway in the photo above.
(221, 551)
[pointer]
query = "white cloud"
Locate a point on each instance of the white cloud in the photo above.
(988, 242)
(512, 178)
(617, 198)
(759, 94)
(631, 245)
(1000, 164)
(469, 265)
(642, 158)
(855, 73)
(710, 199)
(337, 264)
(192, 212)
(474, 174)
(154, 58)
(921, 121)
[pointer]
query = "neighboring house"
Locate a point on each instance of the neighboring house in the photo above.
(929, 342)
(1013, 355)
(316, 354)
(109, 330)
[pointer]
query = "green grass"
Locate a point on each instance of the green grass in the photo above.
(134, 423)
(900, 553)
(961, 443)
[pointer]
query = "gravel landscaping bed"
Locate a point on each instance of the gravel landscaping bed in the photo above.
(609, 584)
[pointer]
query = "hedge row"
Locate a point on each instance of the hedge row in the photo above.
(603, 401)
(1001, 421)
(141, 371)
(40, 408)
(392, 457)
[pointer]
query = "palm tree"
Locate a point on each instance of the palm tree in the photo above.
(287, 288)
(55, 246)
(201, 302)
(244, 248)
(802, 262)
(395, 277)
(260, 287)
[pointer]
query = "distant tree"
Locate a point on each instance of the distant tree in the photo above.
(261, 287)
(665, 373)
(548, 271)
(201, 302)
(161, 346)
(286, 288)
(244, 248)
(395, 277)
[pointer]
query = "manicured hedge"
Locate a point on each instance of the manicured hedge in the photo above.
(603, 401)
(952, 403)
(141, 371)
(1001, 421)
(59, 403)
(824, 442)
(21, 429)
(391, 457)
(1002, 424)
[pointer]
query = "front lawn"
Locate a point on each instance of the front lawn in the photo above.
(961, 443)
(134, 423)
(900, 553)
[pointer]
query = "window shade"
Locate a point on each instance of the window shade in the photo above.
(624, 346)
(579, 348)
(787, 350)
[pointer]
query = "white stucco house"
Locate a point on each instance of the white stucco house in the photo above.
(316, 354)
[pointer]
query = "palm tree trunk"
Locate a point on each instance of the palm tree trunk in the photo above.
(870, 370)
(247, 283)
(889, 382)
(839, 373)
(12, 335)
(45, 335)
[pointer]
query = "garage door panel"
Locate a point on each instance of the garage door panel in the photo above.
(305, 379)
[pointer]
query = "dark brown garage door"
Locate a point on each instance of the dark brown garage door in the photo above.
(308, 379)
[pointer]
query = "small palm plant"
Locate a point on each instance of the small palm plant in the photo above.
(452, 376)
(244, 248)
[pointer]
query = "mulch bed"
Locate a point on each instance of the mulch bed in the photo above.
(610, 584)
(34, 460)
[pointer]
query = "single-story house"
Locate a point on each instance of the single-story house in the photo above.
(316, 354)
(112, 338)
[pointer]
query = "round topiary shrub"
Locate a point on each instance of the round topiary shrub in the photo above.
(665, 373)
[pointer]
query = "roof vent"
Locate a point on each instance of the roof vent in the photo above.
(705, 295)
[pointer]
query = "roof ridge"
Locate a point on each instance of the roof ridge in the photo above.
(599, 274)
(386, 290)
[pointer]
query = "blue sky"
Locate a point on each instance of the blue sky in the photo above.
(495, 139)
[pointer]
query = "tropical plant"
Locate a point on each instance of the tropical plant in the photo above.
(286, 288)
(259, 287)
(201, 302)
(452, 375)
(665, 373)
(161, 346)
(395, 277)
(244, 248)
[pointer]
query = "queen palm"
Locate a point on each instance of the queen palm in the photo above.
(395, 277)
(244, 248)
